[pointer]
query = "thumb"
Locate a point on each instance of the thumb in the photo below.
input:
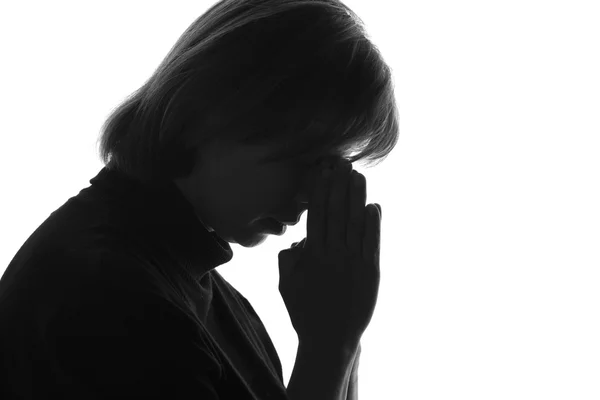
(299, 244)
(287, 259)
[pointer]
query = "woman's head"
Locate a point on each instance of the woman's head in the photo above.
(298, 74)
(299, 77)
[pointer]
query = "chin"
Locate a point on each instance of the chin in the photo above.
(252, 240)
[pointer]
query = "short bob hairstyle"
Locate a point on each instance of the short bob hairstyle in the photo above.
(298, 75)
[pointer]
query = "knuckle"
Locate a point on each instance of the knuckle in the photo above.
(361, 180)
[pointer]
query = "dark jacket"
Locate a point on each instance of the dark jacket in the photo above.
(116, 295)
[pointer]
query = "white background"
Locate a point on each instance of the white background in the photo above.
(490, 240)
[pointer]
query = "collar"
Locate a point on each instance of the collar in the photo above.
(161, 216)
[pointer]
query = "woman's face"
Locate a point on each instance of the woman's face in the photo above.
(235, 194)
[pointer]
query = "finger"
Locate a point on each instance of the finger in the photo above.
(356, 218)
(299, 244)
(337, 207)
(371, 240)
(285, 262)
(317, 208)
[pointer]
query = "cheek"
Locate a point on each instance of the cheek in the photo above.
(283, 192)
(288, 185)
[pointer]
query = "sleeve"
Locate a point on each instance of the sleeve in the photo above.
(123, 340)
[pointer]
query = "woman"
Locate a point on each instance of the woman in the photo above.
(116, 294)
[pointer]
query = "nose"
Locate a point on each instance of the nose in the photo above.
(303, 206)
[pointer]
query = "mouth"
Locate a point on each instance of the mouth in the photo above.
(292, 221)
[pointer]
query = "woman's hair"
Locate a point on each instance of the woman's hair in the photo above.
(300, 75)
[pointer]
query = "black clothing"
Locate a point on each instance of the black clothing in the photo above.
(116, 295)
